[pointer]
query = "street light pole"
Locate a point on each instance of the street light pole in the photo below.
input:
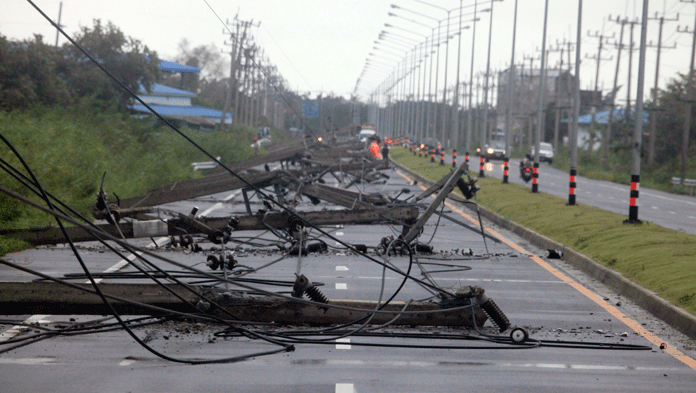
(573, 142)
(455, 127)
(540, 112)
(638, 131)
(484, 128)
(508, 109)
(469, 120)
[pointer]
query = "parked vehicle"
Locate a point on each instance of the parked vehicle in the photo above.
(545, 152)
(365, 134)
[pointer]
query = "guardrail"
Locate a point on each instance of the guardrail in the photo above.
(690, 183)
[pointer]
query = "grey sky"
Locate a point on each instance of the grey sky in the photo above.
(322, 45)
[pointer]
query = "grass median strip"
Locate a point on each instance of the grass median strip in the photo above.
(660, 259)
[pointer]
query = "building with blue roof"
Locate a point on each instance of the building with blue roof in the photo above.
(172, 102)
(586, 138)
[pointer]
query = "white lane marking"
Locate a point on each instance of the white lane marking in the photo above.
(449, 279)
(123, 262)
(126, 362)
(341, 269)
(399, 363)
(672, 213)
(27, 361)
(220, 204)
(339, 233)
(655, 207)
(15, 330)
(344, 343)
(341, 285)
(345, 388)
(692, 217)
(643, 192)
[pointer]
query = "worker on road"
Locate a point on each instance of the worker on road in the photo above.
(385, 150)
(374, 149)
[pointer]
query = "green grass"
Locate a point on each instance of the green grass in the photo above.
(617, 168)
(69, 149)
(660, 259)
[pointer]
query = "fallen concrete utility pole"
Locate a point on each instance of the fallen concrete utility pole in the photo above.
(452, 181)
(212, 185)
(343, 197)
(54, 298)
(177, 226)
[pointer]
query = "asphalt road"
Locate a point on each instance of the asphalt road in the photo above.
(672, 211)
(546, 297)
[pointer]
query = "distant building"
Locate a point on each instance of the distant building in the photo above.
(591, 139)
(176, 103)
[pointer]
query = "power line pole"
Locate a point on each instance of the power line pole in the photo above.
(540, 113)
(564, 102)
(508, 108)
(599, 59)
(573, 140)
(638, 130)
(60, 13)
(615, 88)
(631, 49)
(598, 56)
(654, 108)
(689, 99)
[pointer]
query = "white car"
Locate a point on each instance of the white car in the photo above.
(545, 152)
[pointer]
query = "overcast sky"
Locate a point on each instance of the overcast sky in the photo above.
(322, 45)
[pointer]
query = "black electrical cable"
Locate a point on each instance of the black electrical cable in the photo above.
(98, 291)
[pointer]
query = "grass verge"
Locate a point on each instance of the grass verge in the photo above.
(69, 149)
(660, 259)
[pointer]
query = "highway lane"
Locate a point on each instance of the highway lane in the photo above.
(532, 296)
(672, 211)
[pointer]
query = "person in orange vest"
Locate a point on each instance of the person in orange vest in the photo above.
(374, 149)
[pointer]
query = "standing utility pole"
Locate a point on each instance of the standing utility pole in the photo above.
(573, 140)
(612, 102)
(484, 128)
(60, 13)
(469, 120)
(689, 101)
(540, 112)
(599, 59)
(508, 108)
(654, 109)
(638, 131)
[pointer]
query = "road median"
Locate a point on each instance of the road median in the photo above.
(653, 266)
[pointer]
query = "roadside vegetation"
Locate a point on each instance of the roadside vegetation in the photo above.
(70, 149)
(660, 259)
(617, 169)
(69, 121)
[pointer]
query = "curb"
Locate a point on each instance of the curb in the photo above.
(675, 316)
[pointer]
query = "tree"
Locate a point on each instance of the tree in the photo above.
(206, 57)
(670, 120)
(125, 58)
(29, 74)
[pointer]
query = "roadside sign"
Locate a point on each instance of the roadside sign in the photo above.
(310, 109)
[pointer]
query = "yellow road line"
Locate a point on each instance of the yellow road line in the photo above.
(635, 326)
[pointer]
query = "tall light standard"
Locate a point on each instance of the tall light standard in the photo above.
(484, 128)
(410, 107)
(469, 117)
(428, 52)
(540, 112)
(400, 56)
(508, 108)
(420, 112)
